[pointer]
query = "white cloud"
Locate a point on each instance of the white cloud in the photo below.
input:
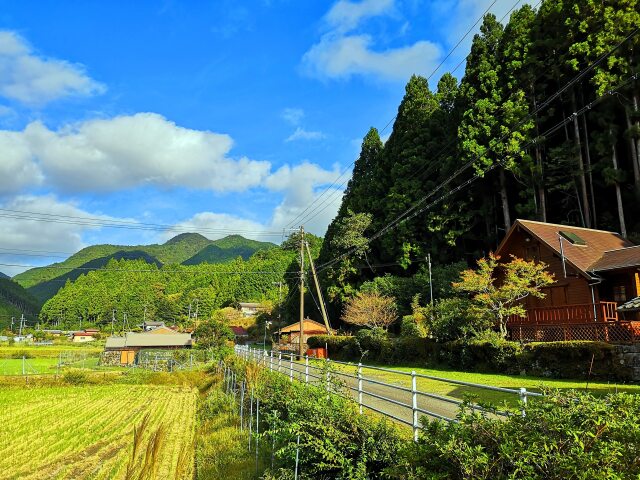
(337, 56)
(342, 53)
(302, 134)
(31, 235)
(35, 80)
(128, 151)
(17, 168)
(293, 115)
(346, 15)
(301, 185)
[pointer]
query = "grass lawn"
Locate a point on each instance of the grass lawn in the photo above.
(533, 384)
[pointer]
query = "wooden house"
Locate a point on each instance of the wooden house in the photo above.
(128, 346)
(82, 337)
(289, 336)
(596, 273)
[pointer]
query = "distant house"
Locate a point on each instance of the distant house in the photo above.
(249, 309)
(240, 333)
(289, 336)
(597, 282)
(163, 330)
(129, 345)
(81, 337)
(54, 332)
(148, 326)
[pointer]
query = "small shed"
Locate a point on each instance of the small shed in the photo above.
(149, 325)
(240, 333)
(249, 309)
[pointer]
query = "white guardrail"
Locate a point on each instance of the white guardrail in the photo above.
(400, 403)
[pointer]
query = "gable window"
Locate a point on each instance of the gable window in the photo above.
(532, 252)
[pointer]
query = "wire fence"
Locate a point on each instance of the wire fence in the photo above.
(405, 400)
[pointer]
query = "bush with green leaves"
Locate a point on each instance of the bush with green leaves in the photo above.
(568, 435)
(334, 440)
(454, 319)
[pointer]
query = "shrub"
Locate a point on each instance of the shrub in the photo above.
(411, 328)
(567, 435)
(75, 377)
(334, 440)
(374, 344)
(453, 319)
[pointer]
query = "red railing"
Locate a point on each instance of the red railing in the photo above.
(611, 332)
(579, 313)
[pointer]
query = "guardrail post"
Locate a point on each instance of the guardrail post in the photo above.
(306, 369)
(414, 405)
(327, 364)
(279, 361)
(523, 399)
(291, 367)
(360, 387)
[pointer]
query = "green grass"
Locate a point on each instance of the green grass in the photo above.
(532, 384)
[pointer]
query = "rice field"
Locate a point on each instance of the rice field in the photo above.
(88, 432)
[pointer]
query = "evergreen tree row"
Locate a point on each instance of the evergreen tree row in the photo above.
(540, 151)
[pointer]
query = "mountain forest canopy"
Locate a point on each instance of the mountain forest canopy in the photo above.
(543, 125)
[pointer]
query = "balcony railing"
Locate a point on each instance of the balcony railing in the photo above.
(579, 313)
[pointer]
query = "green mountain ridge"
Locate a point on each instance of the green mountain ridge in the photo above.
(14, 301)
(44, 282)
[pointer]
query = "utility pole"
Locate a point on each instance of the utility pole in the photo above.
(21, 325)
(113, 320)
(430, 282)
(301, 337)
(323, 309)
(196, 314)
(12, 322)
(144, 315)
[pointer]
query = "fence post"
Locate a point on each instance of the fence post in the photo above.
(271, 360)
(291, 367)
(306, 369)
(279, 361)
(414, 405)
(23, 369)
(360, 386)
(241, 405)
(523, 399)
(297, 457)
(327, 374)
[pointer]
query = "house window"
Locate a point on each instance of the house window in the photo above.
(619, 293)
(532, 253)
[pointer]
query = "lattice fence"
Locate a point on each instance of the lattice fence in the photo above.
(610, 332)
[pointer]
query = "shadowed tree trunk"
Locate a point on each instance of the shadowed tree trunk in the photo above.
(614, 160)
(505, 200)
(586, 211)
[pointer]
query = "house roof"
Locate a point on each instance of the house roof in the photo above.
(582, 257)
(83, 334)
(162, 330)
(146, 340)
(632, 305)
(309, 326)
(154, 324)
(615, 259)
(248, 305)
(239, 331)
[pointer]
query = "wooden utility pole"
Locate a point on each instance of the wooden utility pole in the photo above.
(320, 297)
(301, 337)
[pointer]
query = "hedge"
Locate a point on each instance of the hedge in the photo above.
(549, 359)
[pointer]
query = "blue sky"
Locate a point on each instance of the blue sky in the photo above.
(212, 116)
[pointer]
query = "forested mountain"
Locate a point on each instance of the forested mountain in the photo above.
(543, 125)
(167, 292)
(226, 249)
(14, 301)
(44, 282)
